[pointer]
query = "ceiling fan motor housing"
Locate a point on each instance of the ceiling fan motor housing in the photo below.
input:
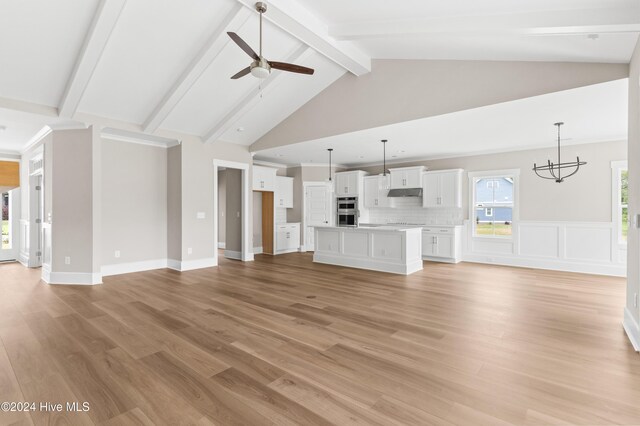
(260, 68)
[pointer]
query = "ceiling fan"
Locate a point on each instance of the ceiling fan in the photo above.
(261, 67)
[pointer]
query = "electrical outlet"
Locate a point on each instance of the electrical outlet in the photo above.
(238, 214)
(189, 250)
(67, 260)
(117, 254)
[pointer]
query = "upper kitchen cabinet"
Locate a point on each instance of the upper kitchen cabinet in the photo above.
(376, 189)
(442, 188)
(406, 177)
(264, 178)
(284, 192)
(350, 184)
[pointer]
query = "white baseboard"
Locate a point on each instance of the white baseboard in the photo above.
(72, 278)
(257, 250)
(221, 245)
(632, 329)
(46, 273)
(127, 268)
(189, 265)
(295, 250)
(231, 254)
(24, 259)
(554, 265)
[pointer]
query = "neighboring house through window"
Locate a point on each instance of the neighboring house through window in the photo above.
(493, 203)
(620, 200)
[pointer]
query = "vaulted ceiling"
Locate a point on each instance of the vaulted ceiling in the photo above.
(163, 64)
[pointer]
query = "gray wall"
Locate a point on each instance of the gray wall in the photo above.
(198, 191)
(70, 199)
(222, 205)
(585, 197)
(633, 244)
(134, 202)
(397, 91)
(174, 202)
(257, 219)
(233, 224)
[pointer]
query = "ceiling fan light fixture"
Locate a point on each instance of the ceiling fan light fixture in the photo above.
(260, 72)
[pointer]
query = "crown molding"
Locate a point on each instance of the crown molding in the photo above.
(138, 138)
(270, 164)
(37, 138)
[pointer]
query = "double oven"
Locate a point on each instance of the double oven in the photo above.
(347, 211)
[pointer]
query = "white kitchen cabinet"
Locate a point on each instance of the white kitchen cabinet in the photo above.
(264, 178)
(349, 184)
(287, 238)
(442, 244)
(376, 189)
(442, 189)
(406, 177)
(284, 192)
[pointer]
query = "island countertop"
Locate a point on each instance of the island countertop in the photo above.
(388, 248)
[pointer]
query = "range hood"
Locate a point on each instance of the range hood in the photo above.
(405, 192)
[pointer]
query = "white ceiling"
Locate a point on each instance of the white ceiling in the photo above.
(524, 30)
(166, 64)
(591, 114)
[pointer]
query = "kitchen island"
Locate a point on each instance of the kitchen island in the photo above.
(394, 249)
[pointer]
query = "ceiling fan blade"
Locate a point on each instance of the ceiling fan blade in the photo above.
(291, 67)
(241, 73)
(243, 45)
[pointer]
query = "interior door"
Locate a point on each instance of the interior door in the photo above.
(317, 207)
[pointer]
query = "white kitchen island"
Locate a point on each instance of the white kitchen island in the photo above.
(394, 249)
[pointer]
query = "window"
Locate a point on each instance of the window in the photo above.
(620, 191)
(493, 206)
(4, 221)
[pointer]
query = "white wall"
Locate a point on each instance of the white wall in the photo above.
(632, 310)
(134, 202)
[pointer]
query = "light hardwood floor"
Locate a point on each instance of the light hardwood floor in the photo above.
(285, 341)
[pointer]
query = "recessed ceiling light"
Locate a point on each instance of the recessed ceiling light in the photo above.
(240, 129)
(361, 156)
(393, 156)
(593, 36)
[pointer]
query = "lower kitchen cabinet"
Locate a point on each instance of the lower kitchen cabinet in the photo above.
(442, 244)
(287, 238)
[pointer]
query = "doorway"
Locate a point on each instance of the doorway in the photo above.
(9, 241)
(317, 210)
(237, 242)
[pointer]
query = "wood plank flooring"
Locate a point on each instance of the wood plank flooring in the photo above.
(284, 341)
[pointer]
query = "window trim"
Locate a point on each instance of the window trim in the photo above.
(616, 200)
(515, 174)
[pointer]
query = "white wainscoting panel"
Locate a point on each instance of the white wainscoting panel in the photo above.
(588, 243)
(540, 240)
(588, 247)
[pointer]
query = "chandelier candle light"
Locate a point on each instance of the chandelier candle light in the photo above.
(554, 170)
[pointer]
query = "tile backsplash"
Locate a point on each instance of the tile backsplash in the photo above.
(410, 210)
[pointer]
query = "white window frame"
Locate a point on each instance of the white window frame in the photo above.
(493, 184)
(498, 174)
(616, 200)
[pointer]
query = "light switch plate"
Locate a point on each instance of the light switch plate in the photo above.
(200, 215)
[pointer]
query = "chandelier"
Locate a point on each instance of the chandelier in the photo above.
(554, 170)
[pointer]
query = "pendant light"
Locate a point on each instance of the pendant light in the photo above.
(554, 170)
(384, 157)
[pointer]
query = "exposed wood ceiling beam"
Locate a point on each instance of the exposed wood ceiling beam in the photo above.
(251, 98)
(538, 23)
(293, 18)
(104, 21)
(218, 40)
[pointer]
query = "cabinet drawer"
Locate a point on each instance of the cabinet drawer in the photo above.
(435, 230)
